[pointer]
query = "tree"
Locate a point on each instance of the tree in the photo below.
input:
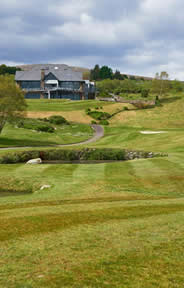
(12, 102)
(128, 86)
(106, 73)
(8, 69)
(161, 84)
(117, 75)
(177, 85)
(95, 73)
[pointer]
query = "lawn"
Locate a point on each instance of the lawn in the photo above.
(62, 105)
(64, 134)
(100, 225)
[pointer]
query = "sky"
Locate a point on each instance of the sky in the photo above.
(139, 37)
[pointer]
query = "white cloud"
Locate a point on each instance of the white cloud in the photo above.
(137, 36)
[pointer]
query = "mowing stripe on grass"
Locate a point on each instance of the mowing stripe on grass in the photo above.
(82, 201)
(22, 226)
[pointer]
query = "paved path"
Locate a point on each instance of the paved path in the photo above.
(99, 133)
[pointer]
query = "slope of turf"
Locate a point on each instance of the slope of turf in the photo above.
(63, 134)
(102, 225)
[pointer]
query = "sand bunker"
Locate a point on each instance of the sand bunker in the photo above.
(152, 132)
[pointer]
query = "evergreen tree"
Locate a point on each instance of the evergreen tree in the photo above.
(117, 75)
(95, 73)
(106, 73)
(8, 69)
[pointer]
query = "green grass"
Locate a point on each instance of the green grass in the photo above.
(99, 225)
(64, 134)
(62, 105)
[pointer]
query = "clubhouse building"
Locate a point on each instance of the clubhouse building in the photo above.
(55, 82)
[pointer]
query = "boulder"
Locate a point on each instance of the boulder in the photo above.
(35, 161)
(45, 187)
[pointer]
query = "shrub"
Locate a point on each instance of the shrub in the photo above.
(34, 124)
(93, 122)
(57, 120)
(102, 154)
(87, 110)
(125, 108)
(75, 155)
(104, 122)
(99, 115)
(145, 92)
(45, 128)
(18, 157)
(43, 119)
(60, 154)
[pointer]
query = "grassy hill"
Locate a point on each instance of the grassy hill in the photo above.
(99, 225)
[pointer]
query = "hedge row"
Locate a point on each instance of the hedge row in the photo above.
(75, 155)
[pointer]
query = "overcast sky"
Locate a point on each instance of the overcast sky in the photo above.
(135, 36)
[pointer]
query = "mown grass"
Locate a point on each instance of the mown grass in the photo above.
(60, 105)
(102, 225)
(64, 134)
(112, 246)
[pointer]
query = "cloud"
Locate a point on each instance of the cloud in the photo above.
(137, 36)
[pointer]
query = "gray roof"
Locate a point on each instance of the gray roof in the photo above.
(62, 73)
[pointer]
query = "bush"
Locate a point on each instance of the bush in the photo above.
(43, 119)
(145, 92)
(93, 122)
(87, 110)
(35, 124)
(102, 154)
(18, 157)
(125, 108)
(99, 115)
(45, 128)
(104, 122)
(58, 120)
(60, 154)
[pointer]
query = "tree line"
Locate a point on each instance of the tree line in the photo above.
(8, 69)
(105, 72)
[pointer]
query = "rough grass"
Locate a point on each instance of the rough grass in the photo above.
(103, 225)
(168, 115)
